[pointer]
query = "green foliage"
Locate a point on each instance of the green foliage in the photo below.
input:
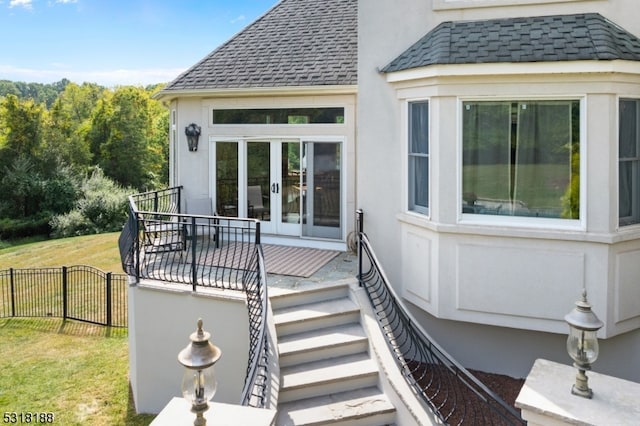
(11, 229)
(102, 207)
(40, 93)
(52, 135)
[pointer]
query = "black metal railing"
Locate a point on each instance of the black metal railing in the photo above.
(452, 393)
(79, 292)
(160, 243)
(256, 382)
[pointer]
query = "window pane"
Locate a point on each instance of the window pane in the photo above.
(521, 158)
(418, 161)
(279, 116)
(227, 178)
(629, 162)
(419, 127)
(419, 169)
(628, 128)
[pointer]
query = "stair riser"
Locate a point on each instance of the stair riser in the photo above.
(300, 357)
(321, 388)
(286, 329)
(302, 298)
(370, 420)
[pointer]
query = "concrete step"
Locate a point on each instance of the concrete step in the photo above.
(362, 407)
(286, 297)
(327, 377)
(316, 315)
(321, 344)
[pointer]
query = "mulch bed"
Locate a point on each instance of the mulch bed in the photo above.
(459, 404)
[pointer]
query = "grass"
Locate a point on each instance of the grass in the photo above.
(99, 251)
(77, 371)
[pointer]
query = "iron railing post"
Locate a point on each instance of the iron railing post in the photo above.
(257, 232)
(360, 227)
(64, 293)
(108, 307)
(194, 270)
(136, 244)
(13, 293)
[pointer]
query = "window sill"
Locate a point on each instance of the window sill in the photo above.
(517, 230)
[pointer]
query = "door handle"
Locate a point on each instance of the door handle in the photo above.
(275, 188)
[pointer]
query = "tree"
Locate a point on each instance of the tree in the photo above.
(69, 119)
(20, 129)
(125, 156)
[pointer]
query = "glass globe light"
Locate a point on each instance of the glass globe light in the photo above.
(582, 343)
(199, 381)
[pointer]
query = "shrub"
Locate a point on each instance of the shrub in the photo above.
(102, 207)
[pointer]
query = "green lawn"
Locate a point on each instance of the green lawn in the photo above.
(77, 371)
(100, 251)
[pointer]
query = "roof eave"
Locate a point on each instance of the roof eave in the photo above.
(239, 92)
(512, 68)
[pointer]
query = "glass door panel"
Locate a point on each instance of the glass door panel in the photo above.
(258, 180)
(321, 191)
(227, 178)
(290, 178)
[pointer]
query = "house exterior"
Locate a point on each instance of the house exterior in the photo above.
(276, 106)
(495, 148)
(491, 144)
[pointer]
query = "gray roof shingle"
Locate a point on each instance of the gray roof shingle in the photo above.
(296, 43)
(534, 39)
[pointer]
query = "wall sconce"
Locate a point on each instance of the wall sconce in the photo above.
(199, 382)
(582, 343)
(193, 134)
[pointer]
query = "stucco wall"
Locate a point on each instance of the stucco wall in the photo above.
(161, 319)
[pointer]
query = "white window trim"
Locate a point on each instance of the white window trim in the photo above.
(468, 4)
(521, 221)
(406, 185)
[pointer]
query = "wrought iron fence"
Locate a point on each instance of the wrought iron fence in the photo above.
(162, 244)
(452, 393)
(77, 292)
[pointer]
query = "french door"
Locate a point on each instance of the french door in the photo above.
(294, 187)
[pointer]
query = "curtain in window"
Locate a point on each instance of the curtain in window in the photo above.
(486, 153)
(542, 167)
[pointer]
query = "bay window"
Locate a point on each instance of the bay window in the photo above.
(629, 162)
(418, 161)
(521, 158)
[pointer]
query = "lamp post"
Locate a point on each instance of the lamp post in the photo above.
(582, 343)
(199, 382)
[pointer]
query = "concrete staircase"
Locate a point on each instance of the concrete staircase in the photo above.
(326, 373)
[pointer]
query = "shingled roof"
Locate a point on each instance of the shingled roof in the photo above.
(296, 43)
(534, 39)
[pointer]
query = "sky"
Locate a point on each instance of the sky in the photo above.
(115, 42)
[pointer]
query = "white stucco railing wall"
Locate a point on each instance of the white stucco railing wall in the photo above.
(161, 319)
(546, 399)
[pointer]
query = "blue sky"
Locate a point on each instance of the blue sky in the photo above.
(115, 42)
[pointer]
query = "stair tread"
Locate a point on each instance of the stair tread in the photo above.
(327, 409)
(327, 370)
(322, 338)
(314, 310)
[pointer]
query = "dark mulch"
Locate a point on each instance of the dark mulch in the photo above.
(505, 387)
(460, 405)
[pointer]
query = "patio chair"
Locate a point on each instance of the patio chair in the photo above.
(162, 234)
(256, 201)
(206, 228)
